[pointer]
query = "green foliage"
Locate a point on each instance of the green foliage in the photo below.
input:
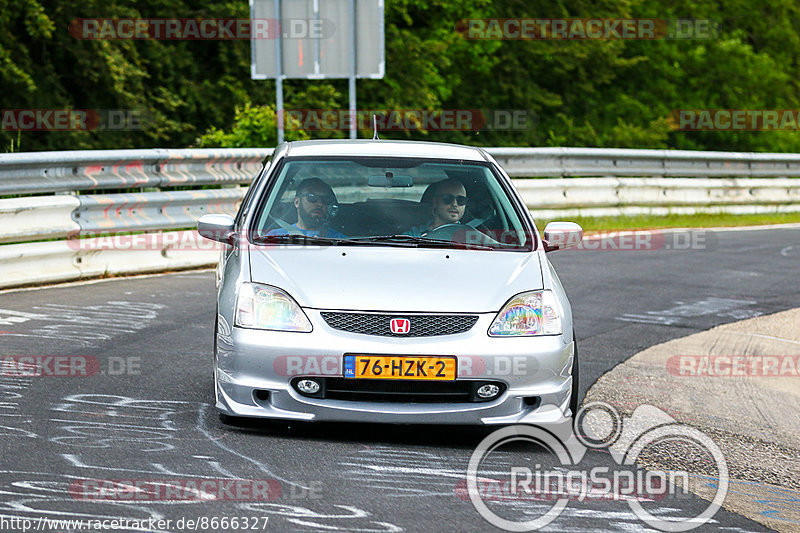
(613, 93)
(253, 127)
(180, 88)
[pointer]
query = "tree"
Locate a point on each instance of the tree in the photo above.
(616, 93)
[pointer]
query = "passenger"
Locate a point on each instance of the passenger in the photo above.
(448, 201)
(315, 202)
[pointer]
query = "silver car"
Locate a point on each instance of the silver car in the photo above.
(390, 281)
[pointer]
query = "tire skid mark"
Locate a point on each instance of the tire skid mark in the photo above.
(289, 512)
(201, 415)
(12, 389)
(82, 325)
(25, 496)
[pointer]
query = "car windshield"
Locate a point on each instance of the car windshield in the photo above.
(404, 202)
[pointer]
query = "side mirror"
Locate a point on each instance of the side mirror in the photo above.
(560, 235)
(216, 227)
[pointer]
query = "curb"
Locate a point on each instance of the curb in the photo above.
(723, 382)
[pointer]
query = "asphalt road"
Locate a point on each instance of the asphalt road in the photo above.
(139, 407)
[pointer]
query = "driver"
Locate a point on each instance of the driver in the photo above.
(448, 200)
(315, 203)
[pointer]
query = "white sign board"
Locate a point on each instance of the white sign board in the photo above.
(315, 39)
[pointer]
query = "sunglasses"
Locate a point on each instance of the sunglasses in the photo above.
(448, 199)
(319, 198)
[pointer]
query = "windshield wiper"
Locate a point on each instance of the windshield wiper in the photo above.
(420, 241)
(291, 238)
(391, 240)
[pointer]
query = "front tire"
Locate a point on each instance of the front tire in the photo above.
(574, 400)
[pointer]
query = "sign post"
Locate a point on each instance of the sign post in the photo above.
(351, 85)
(278, 77)
(318, 39)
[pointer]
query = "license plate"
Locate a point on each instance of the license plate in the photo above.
(441, 368)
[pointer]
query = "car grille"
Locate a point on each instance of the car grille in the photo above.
(378, 324)
(392, 391)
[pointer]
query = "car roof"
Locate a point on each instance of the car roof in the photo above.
(384, 148)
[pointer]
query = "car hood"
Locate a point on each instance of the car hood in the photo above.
(371, 278)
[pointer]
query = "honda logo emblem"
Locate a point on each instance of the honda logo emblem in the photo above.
(400, 326)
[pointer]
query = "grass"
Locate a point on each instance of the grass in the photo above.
(676, 221)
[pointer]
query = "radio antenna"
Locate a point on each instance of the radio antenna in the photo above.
(375, 128)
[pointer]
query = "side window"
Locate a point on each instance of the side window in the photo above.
(245, 207)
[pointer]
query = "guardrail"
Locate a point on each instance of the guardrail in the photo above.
(74, 193)
(548, 162)
(611, 182)
(94, 170)
(81, 198)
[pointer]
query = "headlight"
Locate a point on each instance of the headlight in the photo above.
(527, 314)
(264, 307)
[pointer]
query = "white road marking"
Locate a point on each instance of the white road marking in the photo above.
(720, 307)
(9, 317)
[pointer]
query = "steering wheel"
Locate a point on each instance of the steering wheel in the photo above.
(462, 233)
(445, 232)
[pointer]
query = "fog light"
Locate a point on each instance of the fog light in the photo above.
(308, 386)
(488, 391)
(262, 395)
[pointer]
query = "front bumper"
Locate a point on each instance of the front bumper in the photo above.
(533, 368)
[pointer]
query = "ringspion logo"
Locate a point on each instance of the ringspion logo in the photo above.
(491, 478)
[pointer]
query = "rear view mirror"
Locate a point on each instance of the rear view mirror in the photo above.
(390, 179)
(216, 227)
(560, 235)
